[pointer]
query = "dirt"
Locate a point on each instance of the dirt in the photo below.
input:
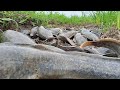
(71, 27)
(112, 33)
(25, 27)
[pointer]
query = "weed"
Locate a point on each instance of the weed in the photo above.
(104, 19)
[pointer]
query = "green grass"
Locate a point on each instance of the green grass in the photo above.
(1, 36)
(104, 19)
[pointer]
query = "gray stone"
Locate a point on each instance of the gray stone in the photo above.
(66, 37)
(74, 40)
(80, 39)
(37, 46)
(26, 32)
(101, 51)
(97, 32)
(44, 33)
(16, 37)
(56, 31)
(89, 34)
(69, 34)
(25, 63)
(91, 50)
(47, 47)
(34, 31)
(7, 44)
(104, 51)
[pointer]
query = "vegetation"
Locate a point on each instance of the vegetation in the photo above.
(1, 36)
(104, 19)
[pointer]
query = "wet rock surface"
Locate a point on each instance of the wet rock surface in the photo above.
(55, 53)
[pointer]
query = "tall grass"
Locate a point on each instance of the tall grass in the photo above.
(104, 19)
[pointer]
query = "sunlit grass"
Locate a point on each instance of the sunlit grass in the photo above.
(104, 19)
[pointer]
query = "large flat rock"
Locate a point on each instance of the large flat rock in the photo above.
(24, 62)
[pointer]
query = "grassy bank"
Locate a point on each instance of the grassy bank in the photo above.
(14, 19)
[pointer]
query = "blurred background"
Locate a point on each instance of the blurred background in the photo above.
(70, 13)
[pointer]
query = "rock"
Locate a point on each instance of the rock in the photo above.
(47, 47)
(26, 32)
(7, 44)
(79, 39)
(24, 63)
(37, 46)
(70, 42)
(74, 40)
(101, 50)
(110, 43)
(69, 28)
(34, 76)
(65, 31)
(71, 48)
(56, 31)
(34, 31)
(97, 32)
(89, 34)
(91, 50)
(111, 55)
(105, 51)
(44, 33)
(69, 34)
(52, 42)
(16, 37)
(66, 39)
